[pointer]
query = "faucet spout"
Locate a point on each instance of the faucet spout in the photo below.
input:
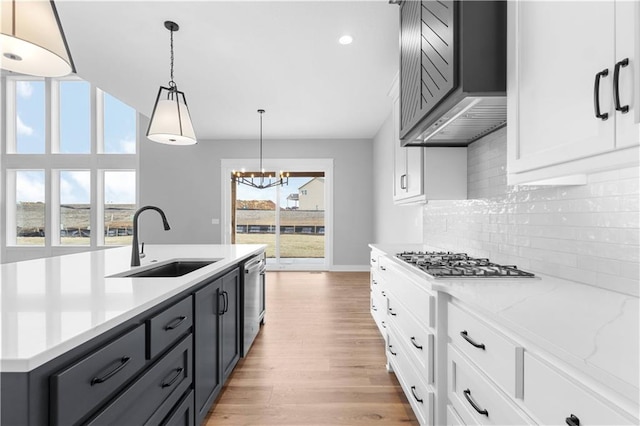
(135, 254)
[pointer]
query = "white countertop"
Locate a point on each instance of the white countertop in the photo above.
(49, 306)
(594, 330)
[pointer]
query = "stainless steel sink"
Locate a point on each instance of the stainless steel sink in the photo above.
(173, 269)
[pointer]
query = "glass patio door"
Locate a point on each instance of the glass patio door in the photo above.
(289, 219)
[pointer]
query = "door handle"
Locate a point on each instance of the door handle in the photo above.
(616, 86)
(596, 95)
(403, 181)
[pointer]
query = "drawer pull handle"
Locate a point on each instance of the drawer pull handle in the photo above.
(392, 313)
(383, 268)
(374, 308)
(173, 380)
(466, 337)
(413, 340)
(413, 392)
(123, 362)
(373, 260)
(375, 282)
(175, 323)
(392, 352)
(467, 395)
(572, 420)
(383, 293)
(384, 325)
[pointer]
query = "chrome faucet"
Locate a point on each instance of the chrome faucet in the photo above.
(135, 254)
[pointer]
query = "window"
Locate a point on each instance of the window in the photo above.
(76, 190)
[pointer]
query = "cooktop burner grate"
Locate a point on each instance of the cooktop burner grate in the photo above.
(460, 265)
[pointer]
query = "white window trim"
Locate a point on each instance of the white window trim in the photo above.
(291, 165)
(52, 163)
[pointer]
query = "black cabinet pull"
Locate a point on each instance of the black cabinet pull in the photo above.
(374, 307)
(413, 392)
(392, 352)
(123, 362)
(173, 380)
(467, 395)
(616, 85)
(383, 293)
(384, 325)
(392, 313)
(375, 282)
(373, 260)
(596, 94)
(175, 323)
(466, 337)
(413, 340)
(221, 295)
(226, 301)
(383, 268)
(572, 420)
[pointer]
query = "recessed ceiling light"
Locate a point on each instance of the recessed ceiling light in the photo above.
(345, 39)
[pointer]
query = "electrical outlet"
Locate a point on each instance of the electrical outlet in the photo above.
(215, 221)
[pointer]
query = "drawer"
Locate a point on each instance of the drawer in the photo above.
(184, 413)
(419, 395)
(453, 419)
(476, 399)
(552, 397)
(497, 356)
(169, 325)
(80, 388)
(152, 397)
(412, 293)
(416, 338)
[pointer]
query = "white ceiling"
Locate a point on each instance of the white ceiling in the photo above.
(234, 57)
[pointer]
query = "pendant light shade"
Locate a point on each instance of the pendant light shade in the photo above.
(32, 41)
(170, 120)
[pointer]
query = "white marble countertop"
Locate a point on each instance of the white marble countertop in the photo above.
(49, 306)
(594, 330)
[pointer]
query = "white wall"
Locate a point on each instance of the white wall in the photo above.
(185, 183)
(587, 233)
(392, 223)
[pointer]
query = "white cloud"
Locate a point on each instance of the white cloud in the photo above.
(24, 89)
(128, 146)
(120, 187)
(29, 186)
(22, 128)
(75, 187)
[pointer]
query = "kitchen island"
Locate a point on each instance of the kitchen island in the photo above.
(67, 317)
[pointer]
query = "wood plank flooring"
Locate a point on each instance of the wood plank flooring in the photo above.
(318, 360)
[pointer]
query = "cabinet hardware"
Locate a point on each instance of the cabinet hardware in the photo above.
(226, 301)
(596, 95)
(172, 381)
(123, 362)
(374, 308)
(572, 420)
(383, 293)
(392, 313)
(413, 340)
(413, 392)
(467, 395)
(375, 282)
(373, 260)
(383, 268)
(466, 337)
(616, 86)
(384, 325)
(403, 182)
(392, 352)
(221, 295)
(175, 323)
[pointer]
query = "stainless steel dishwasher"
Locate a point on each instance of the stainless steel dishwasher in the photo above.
(253, 289)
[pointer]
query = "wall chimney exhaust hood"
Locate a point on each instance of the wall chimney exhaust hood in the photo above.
(452, 71)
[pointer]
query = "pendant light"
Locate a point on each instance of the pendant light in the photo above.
(170, 121)
(31, 39)
(263, 180)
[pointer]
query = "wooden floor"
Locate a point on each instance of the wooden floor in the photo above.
(318, 360)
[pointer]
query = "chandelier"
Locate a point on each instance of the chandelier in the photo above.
(261, 179)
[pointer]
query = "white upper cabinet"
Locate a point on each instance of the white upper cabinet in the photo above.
(562, 117)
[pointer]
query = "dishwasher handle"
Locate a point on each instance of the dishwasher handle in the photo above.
(256, 265)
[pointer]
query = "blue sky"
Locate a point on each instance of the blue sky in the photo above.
(75, 138)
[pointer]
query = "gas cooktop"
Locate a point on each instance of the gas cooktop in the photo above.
(440, 264)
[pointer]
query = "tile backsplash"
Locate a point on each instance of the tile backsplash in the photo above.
(588, 233)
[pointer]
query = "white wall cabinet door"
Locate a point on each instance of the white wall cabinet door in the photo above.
(557, 50)
(408, 166)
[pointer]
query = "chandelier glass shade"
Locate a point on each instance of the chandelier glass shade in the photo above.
(170, 120)
(32, 41)
(261, 179)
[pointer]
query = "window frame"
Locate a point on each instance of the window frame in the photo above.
(52, 162)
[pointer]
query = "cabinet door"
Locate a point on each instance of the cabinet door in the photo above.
(230, 323)
(628, 47)
(557, 48)
(208, 380)
(426, 58)
(408, 164)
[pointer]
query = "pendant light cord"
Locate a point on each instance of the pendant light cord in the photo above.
(261, 170)
(172, 84)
